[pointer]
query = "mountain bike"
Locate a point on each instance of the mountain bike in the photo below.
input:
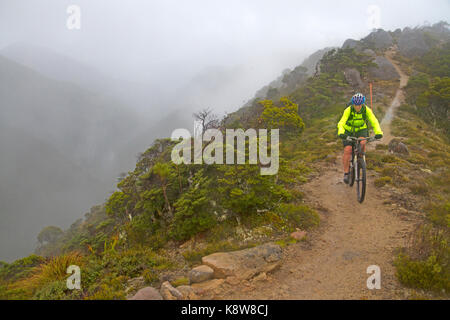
(358, 166)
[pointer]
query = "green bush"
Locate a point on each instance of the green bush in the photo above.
(426, 264)
(382, 181)
(428, 274)
(193, 213)
(299, 215)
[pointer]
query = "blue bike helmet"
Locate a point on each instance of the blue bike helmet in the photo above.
(358, 99)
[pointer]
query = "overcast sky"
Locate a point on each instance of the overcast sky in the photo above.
(173, 40)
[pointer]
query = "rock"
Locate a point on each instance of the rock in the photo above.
(187, 292)
(379, 39)
(426, 170)
(260, 277)
(311, 63)
(352, 44)
(298, 235)
(147, 293)
(205, 287)
(385, 69)
(353, 77)
(170, 293)
(396, 146)
(200, 274)
(246, 263)
(369, 52)
(412, 43)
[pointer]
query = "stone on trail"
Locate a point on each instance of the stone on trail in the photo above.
(187, 292)
(298, 235)
(200, 274)
(147, 293)
(170, 293)
(244, 264)
(206, 287)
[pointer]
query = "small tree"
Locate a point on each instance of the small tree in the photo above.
(284, 117)
(193, 214)
(163, 171)
(49, 234)
(207, 118)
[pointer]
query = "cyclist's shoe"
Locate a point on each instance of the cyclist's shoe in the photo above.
(346, 178)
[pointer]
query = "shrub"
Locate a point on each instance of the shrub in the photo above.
(418, 189)
(427, 274)
(193, 214)
(382, 181)
(426, 263)
(299, 215)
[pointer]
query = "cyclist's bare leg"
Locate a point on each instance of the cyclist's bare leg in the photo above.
(363, 145)
(346, 158)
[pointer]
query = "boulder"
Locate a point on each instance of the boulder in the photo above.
(379, 39)
(207, 287)
(352, 44)
(244, 264)
(147, 293)
(170, 293)
(353, 77)
(187, 292)
(370, 52)
(396, 146)
(200, 274)
(411, 43)
(385, 69)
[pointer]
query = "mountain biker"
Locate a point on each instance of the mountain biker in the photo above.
(354, 123)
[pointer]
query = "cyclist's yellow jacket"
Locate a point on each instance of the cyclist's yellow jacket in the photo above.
(354, 121)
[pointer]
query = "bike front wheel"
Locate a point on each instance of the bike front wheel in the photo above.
(352, 175)
(361, 180)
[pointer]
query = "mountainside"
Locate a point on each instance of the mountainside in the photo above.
(163, 218)
(55, 132)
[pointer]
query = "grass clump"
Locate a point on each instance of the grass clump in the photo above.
(380, 182)
(426, 264)
(183, 281)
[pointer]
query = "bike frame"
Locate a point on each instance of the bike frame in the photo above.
(357, 153)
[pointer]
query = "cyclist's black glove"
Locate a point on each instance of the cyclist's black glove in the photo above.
(378, 136)
(343, 136)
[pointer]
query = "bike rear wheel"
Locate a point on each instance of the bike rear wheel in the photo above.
(361, 180)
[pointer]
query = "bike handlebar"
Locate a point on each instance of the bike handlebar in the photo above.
(368, 139)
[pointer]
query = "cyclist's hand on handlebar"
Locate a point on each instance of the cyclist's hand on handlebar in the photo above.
(343, 136)
(378, 136)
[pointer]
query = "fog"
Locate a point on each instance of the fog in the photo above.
(77, 105)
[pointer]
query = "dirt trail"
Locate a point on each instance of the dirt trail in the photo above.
(398, 99)
(332, 264)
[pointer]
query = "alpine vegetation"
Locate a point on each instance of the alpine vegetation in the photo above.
(213, 151)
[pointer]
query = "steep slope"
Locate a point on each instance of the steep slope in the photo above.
(333, 262)
(59, 145)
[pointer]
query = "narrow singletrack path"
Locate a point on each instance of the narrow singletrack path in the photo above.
(332, 263)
